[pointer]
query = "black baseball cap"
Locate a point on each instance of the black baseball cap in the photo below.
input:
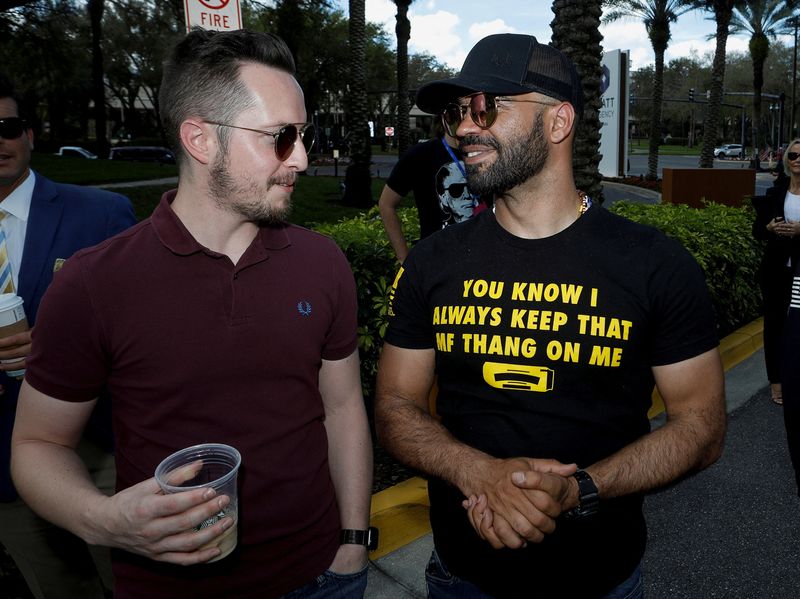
(508, 64)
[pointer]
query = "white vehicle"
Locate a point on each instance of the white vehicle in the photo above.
(75, 152)
(729, 151)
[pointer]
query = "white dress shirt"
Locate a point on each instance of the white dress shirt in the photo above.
(18, 206)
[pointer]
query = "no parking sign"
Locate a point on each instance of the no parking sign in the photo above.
(220, 15)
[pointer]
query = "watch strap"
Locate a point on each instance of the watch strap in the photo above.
(588, 496)
(368, 538)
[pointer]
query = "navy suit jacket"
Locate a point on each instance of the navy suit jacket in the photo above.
(63, 219)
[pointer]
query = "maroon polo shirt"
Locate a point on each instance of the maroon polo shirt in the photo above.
(196, 349)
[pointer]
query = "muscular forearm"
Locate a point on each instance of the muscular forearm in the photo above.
(681, 446)
(420, 441)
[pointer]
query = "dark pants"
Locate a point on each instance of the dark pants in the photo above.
(330, 585)
(443, 585)
(790, 381)
(776, 286)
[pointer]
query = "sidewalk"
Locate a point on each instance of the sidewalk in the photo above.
(731, 531)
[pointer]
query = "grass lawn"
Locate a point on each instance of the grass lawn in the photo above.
(641, 146)
(94, 172)
(315, 200)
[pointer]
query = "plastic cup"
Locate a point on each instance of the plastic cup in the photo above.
(12, 321)
(201, 466)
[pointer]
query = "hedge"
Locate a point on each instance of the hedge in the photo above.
(718, 236)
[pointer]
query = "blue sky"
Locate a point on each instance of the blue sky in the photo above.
(447, 29)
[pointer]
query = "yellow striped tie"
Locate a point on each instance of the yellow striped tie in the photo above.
(6, 279)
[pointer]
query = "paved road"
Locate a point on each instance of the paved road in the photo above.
(733, 530)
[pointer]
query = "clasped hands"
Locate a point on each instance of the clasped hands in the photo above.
(514, 501)
(783, 227)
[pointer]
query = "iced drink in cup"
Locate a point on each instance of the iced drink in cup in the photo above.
(12, 321)
(201, 466)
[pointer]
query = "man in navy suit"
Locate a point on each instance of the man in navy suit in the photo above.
(44, 224)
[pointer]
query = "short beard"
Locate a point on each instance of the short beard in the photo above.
(246, 197)
(520, 158)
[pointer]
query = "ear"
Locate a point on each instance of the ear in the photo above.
(29, 133)
(563, 123)
(197, 140)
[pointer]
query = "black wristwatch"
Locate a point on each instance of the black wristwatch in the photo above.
(368, 538)
(589, 500)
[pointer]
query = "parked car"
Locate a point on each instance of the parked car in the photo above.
(143, 154)
(729, 151)
(75, 152)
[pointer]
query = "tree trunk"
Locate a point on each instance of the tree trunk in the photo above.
(358, 187)
(576, 32)
(723, 10)
(655, 122)
(759, 50)
(403, 31)
(96, 8)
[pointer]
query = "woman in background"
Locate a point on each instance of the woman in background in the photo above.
(778, 222)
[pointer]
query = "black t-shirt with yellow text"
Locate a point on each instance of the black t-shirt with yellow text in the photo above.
(544, 349)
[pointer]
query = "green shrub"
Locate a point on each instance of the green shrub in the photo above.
(718, 236)
(363, 240)
(721, 241)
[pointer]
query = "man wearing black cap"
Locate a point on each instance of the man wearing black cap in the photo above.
(547, 330)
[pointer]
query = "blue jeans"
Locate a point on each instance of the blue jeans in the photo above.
(330, 585)
(443, 585)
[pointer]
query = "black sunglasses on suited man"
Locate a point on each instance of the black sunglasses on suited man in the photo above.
(12, 127)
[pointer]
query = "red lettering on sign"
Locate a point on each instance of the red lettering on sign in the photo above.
(215, 20)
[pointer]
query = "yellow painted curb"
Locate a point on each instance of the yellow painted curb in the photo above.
(401, 514)
(401, 511)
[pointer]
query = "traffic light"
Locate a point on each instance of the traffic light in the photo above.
(691, 94)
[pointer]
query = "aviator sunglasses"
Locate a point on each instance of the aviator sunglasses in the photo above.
(482, 107)
(12, 127)
(285, 137)
(792, 156)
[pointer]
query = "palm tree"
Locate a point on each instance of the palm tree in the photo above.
(723, 12)
(657, 16)
(403, 31)
(762, 19)
(576, 32)
(358, 187)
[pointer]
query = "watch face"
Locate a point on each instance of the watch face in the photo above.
(372, 538)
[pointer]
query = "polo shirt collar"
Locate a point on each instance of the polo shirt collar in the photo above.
(177, 238)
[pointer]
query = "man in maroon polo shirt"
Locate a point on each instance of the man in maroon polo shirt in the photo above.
(212, 321)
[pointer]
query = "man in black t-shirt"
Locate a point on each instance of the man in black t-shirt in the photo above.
(434, 172)
(547, 323)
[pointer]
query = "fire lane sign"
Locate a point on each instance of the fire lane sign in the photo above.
(220, 15)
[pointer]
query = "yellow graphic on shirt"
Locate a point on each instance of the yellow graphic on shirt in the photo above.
(393, 291)
(518, 376)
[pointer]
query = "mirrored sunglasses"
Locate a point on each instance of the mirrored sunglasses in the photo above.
(285, 137)
(482, 108)
(12, 127)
